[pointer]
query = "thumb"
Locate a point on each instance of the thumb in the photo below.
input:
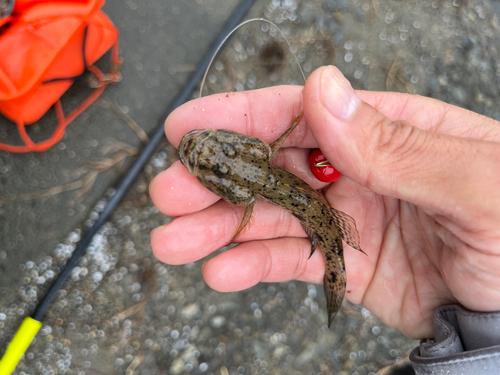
(440, 173)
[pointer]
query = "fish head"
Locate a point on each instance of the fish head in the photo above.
(191, 147)
(223, 161)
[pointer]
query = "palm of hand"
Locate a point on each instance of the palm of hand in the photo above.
(419, 259)
(401, 279)
(421, 255)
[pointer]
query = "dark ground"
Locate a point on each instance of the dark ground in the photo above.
(123, 312)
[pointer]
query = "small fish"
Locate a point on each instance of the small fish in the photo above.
(237, 168)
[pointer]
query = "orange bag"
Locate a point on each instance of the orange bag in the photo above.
(44, 46)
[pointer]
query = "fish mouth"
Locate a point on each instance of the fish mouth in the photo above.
(189, 147)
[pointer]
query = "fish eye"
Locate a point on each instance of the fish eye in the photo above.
(220, 169)
(228, 150)
(206, 153)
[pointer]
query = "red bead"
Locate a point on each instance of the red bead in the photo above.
(321, 168)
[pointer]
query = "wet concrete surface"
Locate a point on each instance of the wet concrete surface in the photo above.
(156, 65)
(123, 312)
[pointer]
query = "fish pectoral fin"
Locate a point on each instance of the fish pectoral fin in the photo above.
(334, 283)
(275, 146)
(347, 229)
(312, 237)
(244, 221)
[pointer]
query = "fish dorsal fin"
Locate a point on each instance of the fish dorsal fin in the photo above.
(347, 228)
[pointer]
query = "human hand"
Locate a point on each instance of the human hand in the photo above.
(420, 177)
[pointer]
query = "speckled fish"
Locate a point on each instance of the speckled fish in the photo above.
(237, 168)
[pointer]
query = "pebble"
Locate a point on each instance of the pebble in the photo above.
(189, 311)
(307, 354)
(178, 366)
(217, 321)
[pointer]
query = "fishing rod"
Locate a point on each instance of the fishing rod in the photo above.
(32, 324)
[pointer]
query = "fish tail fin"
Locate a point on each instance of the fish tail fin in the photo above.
(334, 283)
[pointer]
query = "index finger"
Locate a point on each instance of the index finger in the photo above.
(264, 113)
(267, 113)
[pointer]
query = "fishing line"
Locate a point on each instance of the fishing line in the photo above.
(232, 32)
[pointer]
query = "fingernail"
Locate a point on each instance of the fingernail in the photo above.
(337, 94)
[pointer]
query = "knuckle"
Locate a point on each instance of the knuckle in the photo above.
(301, 265)
(231, 220)
(268, 262)
(396, 137)
(397, 146)
(278, 227)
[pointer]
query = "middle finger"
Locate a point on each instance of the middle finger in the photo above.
(192, 237)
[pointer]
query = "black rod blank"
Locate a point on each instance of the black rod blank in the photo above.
(138, 165)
